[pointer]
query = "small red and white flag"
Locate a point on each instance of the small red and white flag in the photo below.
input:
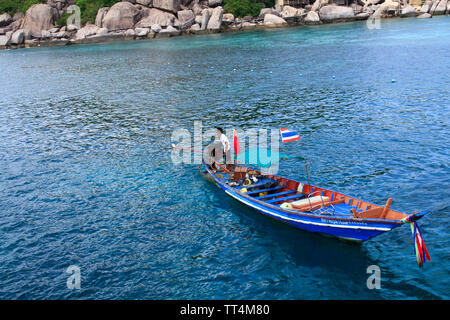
(288, 135)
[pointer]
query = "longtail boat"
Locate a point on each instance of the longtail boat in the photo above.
(313, 208)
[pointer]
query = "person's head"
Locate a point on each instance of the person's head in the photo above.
(219, 131)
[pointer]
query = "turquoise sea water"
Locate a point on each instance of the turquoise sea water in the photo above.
(86, 177)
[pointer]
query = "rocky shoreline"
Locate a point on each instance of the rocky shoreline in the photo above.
(145, 19)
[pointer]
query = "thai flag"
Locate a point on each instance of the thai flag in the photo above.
(289, 135)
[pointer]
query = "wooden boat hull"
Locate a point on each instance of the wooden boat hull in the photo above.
(341, 226)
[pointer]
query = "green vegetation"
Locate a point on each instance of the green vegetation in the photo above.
(242, 8)
(89, 8)
(14, 6)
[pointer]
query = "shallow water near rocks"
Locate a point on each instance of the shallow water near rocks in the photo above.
(86, 177)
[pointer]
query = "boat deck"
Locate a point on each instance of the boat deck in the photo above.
(275, 193)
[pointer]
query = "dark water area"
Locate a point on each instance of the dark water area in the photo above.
(86, 176)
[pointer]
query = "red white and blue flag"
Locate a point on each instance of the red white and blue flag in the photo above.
(288, 135)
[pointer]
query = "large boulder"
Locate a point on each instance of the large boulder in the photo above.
(215, 22)
(389, 6)
(289, 11)
(433, 6)
(271, 19)
(426, 7)
(39, 17)
(121, 16)
(408, 11)
(101, 13)
(312, 18)
(169, 31)
(214, 3)
(333, 13)
(440, 8)
(18, 37)
(187, 18)
(206, 15)
(318, 4)
(265, 11)
(5, 19)
(162, 18)
(424, 16)
(88, 30)
(5, 40)
(228, 17)
(169, 5)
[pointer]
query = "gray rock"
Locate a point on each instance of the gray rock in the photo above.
(18, 16)
(26, 34)
(271, 19)
(130, 33)
(169, 31)
(215, 21)
(228, 17)
(5, 40)
(45, 34)
(141, 32)
(157, 16)
(426, 7)
(333, 13)
(424, 16)
(440, 8)
(409, 11)
(18, 37)
(312, 18)
(88, 30)
(121, 16)
(205, 18)
(5, 19)
(146, 3)
(156, 28)
(187, 18)
(214, 3)
(289, 11)
(102, 31)
(197, 8)
(195, 28)
(72, 27)
(248, 25)
(169, 5)
(39, 17)
(433, 6)
(61, 34)
(362, 16)
(101, 13)
(265, 11)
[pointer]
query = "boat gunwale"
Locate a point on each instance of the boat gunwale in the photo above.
(302, 214)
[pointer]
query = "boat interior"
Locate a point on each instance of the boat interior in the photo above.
(300, 198)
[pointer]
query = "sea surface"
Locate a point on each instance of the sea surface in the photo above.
(87, 180)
